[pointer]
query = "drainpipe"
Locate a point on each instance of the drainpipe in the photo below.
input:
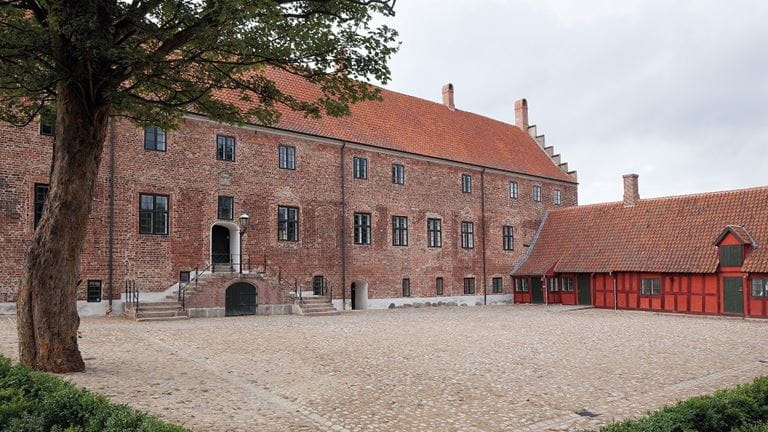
(482, 222)
(546, 289)
(615, 291)
(343, 232)
(111, 217)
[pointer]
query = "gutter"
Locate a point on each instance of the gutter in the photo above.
(111, 216)
(482, 221)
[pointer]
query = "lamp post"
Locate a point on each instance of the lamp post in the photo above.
(244, 219)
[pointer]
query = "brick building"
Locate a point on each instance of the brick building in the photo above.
(404, 201)
(698, 254)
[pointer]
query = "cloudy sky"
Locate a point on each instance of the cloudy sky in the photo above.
(676, 91)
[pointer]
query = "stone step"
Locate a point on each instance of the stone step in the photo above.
(323, 313)
(160, 313)
(161, 303)
(317, 306)
(315, 300)
(174, 318)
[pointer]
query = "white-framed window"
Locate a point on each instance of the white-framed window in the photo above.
(521, 285)
(557, 198)
(467, 235)
(537, 193)
(513, 189)
(553, 284)
(567, 284)
(760, 287)
(360, 168)
(398, 174)
(650, 286)
(466, 183)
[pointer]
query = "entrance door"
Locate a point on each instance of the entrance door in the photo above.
(240, 300)
(318, 285)
(352, 295)
(733, 296)
(585, 291)
(220, 253)
(537, 291)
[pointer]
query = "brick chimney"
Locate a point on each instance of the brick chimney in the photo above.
(521, 114)
(448, 96)
(631, 191)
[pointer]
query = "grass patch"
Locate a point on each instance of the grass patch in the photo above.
(740, 409)
(35, 401)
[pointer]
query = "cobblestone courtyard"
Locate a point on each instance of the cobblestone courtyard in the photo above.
(435, 369)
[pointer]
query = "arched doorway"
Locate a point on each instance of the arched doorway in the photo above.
(359, 295)
(240, 300)
(225, 247)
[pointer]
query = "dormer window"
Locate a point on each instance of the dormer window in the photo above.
(731, 256)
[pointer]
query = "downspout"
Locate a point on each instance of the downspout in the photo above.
(615, 291)
(482, 222)
(111, 218)
(546, 290)
(343, 232)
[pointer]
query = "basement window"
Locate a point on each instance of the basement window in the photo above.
(94, 291)
(650, 286)
(469, 285)
(759, 287)
(406, 287)
(439, 288)
(498, 284)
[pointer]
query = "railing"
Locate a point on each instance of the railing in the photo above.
(131, 294)
(231, 263)
(182, 293)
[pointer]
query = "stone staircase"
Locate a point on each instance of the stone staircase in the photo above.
(317, 306)
(158, 311)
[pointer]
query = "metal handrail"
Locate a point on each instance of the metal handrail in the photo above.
(132, 294)
(231, 261)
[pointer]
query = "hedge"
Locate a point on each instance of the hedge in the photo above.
(740, 409)
(35, 401)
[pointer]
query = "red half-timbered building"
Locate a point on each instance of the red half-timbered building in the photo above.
(698, 254)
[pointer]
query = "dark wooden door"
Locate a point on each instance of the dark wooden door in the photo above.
(537, 291)
(585, 291)
(240, 300)
(352, 296)
(220, 245)
(733, 296)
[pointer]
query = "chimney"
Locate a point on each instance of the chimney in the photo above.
(631, 191)
(448, 96)
(521, 114)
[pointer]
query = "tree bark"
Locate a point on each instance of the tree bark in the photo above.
(47, 319)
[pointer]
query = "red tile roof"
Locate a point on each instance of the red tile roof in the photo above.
(739, 232)
(673, 234)
(409, 124)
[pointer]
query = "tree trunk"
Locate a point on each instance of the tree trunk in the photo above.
(47, 319)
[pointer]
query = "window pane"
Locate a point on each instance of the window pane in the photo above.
(145, 222)
(147, 202)
(161, 203)
(161, 223)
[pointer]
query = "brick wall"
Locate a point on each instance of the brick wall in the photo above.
(190, 175)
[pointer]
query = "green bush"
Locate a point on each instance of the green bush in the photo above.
(740, 409)
(33, 401)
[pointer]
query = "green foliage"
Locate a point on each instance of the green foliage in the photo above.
(153, 61)
(740, 409)
(34, 401)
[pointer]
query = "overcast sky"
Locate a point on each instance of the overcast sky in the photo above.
(675, 91)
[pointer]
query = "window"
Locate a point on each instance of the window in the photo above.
(467, 235)
(399, 231)
(497, 285)
(287, 157)
(731, 256)
(508, 238)
(466, 183)
(521, 285)
(759, 287)
(650, 286)
(439, 289)
(434, 233)
(48, 124)
(360, 168)
(154, 138)
(469, 285)
(567, 285)
(226, 208)
(184, 276)
(398, 174)
(41, 193)
(318, 285)
(153, 214)
(553, 284)
(363, 228)
(225, 148)
(513, 190)
(288, 224)
(537, 193)
(406, 287)
(557, 197)
(94, 291)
